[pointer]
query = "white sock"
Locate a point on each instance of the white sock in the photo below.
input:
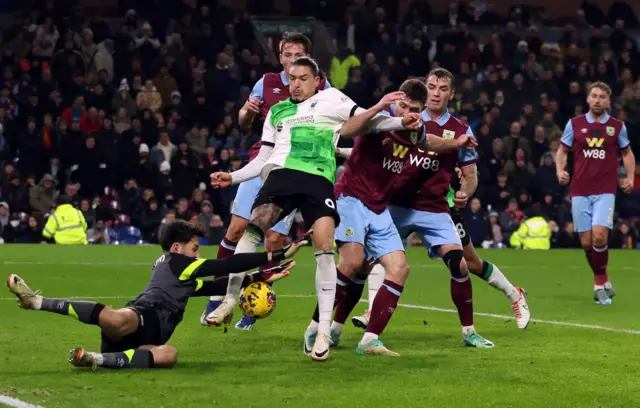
(337, 327)
(467, 329)
(608, 285)
(247, 245)
(38, 303)
(368, 337)
(326, 276)
(216, 298)
(376, 277)
(500, 282)
(596, 287)
(313, 327)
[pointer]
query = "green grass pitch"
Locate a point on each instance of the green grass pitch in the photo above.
(546, 365)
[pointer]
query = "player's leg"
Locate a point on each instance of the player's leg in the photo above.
(147, 356)
(240, 215)
(385, 245)
(326, 275)
(396, 273)
(603, 207)
(275, 194)
(491, 274)
(350, 237)
(584, 218)
(114, 322)
(375, 277)
(350, 253)
(274, 240)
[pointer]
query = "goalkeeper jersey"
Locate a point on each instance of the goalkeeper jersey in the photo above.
(304, 134)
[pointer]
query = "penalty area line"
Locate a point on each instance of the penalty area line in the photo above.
(14, 402)
(419, 307)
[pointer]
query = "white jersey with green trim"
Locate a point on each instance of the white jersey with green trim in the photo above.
(304, 134)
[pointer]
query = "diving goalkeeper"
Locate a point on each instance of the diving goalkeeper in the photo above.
(136, 335)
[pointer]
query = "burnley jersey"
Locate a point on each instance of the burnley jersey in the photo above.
(424, 182)
(373, 166)
(596, 146)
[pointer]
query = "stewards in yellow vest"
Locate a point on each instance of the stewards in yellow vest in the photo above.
(66, 225)
(341, 64)
(534, 232)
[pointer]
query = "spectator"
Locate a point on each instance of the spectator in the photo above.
(152, 217)
(514, 141)
(149, 97)
(4, 214)
(164, 150)
(476, 222)
(29, 233)
(166, 85)
(568, 238)
(123, 100)
(42, 196)
(624, 237)
(98, 234)
(510, 219)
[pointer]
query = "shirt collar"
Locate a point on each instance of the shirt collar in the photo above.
(443, 119)
(284, 78)
(591, 119)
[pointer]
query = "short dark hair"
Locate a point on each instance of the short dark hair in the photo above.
(307, 62)
(296, 38)
(442, 73)
(415, 90)
(602, 86)
(178, 231)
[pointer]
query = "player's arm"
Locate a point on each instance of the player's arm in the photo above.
(253, 168)
(561, 155)
(186, 268)
(218, 287)
(251, 107)
(437, 144)
(628, 160)
(469, 174)
(360, 121)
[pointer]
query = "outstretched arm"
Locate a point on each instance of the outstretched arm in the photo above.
(218, 287)
(374, 118)
(438, 144)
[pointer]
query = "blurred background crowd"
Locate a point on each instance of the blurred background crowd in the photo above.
(127, 107)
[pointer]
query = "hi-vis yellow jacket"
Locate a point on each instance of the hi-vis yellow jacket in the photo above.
(534, 233)
(66, 225)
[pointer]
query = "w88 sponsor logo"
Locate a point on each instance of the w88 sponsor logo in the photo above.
(394, 166)
(599, 154)
(426, 163)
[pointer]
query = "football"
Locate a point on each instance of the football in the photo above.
(258, 300)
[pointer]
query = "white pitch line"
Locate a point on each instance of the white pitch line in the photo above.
(14, 402)
(420, 307)
(425, 266)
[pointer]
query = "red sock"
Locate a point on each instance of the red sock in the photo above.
(349, 301)
(226, 248)
(384, 305)
(462, 296)
(599, 261)
(341, 291)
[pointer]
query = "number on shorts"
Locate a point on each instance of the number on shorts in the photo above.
(329, 202)
(460, 228)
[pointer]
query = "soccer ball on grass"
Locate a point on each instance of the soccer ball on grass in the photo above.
(258, 300)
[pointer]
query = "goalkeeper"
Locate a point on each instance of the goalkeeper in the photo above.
(136, 336)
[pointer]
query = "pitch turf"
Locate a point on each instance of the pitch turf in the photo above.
(544, 365)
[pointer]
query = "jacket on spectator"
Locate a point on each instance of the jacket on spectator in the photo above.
(149, 100)
(339, 71)
(103, 59)
(196, 142)
(156, 156)
(41, 198)
(165, 85)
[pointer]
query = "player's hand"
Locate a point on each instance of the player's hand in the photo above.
(627, 185)
(563, 177)
(466, 141)
(220, 179)
(289, 251)
(277, 272)
(388, 99)
(460, 200)
(412, 121)
(253, 105)
(459, 173)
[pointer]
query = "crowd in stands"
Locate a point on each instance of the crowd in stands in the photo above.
(130, 119)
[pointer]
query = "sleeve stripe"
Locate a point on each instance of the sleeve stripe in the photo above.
(565, 145)
(353, 111)
(189, 270)
(467, 163)
(268, 144)
(199, 284)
